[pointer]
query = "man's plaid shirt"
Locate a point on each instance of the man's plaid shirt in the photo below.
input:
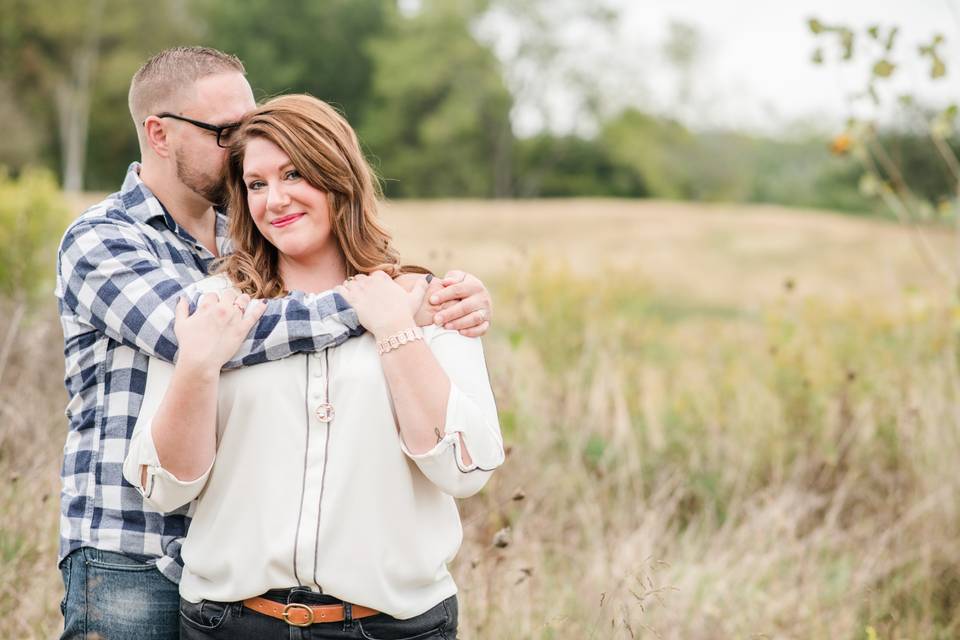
(121, 268)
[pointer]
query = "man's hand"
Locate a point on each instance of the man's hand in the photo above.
(465, 304)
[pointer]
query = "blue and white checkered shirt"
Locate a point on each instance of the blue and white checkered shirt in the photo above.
(121, 268)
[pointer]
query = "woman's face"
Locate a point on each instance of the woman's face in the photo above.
(292, 214)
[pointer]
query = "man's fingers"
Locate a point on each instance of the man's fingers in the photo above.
(477, 331)
(453, 292)
(453, 277)
(472, 319)
(462, 315)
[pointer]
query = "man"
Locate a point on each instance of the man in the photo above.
(121, 269)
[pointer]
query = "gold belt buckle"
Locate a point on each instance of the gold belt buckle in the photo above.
(297, 605)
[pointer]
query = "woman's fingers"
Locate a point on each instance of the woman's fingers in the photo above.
(208, 300)
(228, 296)
(251, 315)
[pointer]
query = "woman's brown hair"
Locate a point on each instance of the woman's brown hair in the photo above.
(324, 149)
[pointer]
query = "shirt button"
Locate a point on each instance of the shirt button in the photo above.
(324, 412)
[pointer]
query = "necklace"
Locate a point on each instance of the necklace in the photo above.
(324, 410)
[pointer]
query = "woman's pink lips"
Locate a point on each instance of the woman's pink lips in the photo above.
(286, 220)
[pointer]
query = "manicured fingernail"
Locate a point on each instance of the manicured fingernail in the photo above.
(434, 299)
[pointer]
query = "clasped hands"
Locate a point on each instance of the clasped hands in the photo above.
(385, 306)
(211, 335)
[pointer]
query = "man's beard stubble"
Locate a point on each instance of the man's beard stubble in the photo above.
(211, 189)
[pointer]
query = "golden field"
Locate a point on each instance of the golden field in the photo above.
(724, 422)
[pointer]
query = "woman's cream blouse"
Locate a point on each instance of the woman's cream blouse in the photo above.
(342, 506)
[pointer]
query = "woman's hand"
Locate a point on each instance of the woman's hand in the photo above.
(212, 334)
(424, 315)
(383, 306)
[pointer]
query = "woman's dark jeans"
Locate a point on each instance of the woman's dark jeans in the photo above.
(232, 620)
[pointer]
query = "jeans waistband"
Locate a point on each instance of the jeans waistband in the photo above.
(301, 595)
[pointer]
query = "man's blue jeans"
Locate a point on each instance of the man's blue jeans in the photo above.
(113, 597)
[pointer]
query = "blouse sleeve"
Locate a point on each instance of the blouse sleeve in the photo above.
(162, 490)
(471, 412)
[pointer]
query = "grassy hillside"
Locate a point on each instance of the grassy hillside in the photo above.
(723, 422)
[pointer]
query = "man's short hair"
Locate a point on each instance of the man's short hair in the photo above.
(156, 84)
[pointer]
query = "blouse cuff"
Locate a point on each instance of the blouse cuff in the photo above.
(482, 442)
(162, 489)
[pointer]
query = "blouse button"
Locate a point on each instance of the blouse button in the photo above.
(324, 412)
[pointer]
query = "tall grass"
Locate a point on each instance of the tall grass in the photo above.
(677, 468)
(694, 471)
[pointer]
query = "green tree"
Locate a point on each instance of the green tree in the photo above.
(570, 166)
(301, 45)
(656, 148)
(439, 119)
(55, 52)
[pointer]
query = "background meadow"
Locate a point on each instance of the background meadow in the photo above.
(697, 449)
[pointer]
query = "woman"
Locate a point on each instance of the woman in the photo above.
(325, 483)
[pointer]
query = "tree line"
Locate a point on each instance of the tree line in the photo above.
(430, 99)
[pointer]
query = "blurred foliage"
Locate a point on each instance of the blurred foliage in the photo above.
(913, 168)
(430, 99)
(33, 216)
(439, 124)
(315, 47)
(46, 50)
(566, 166)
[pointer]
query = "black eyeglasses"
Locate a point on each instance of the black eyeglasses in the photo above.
(223, 132)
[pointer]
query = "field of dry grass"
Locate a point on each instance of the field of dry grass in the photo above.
(724, 422)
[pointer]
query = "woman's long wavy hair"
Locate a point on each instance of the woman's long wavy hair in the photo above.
(324, 149)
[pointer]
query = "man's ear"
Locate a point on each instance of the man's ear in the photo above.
(155, 130)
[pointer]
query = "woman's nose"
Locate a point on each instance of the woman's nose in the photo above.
(277, 197)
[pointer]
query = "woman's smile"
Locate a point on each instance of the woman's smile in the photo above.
(287, 220)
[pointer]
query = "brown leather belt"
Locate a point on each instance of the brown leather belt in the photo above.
(303, 615)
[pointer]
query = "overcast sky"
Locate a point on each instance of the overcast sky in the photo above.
(755, 72)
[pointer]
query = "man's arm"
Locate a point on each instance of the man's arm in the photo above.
(111, 279)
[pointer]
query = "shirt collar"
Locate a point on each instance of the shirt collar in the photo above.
(141, 204)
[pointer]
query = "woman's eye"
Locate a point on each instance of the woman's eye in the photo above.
(293, 174)
(255, 185)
